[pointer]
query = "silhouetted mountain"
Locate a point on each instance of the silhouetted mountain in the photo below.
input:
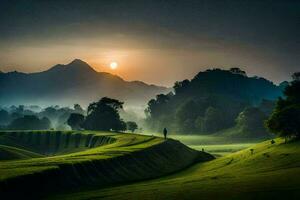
(75, 82)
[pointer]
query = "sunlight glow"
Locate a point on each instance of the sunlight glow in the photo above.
(113, 65)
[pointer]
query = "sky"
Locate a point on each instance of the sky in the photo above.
(157, 42)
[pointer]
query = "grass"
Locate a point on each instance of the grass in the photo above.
(88, 158)
(74, 170)
(217, 145)
(126, 143)
(13, 153)
(271, 172)
(222, 149)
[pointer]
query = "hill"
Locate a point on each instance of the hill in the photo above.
(13, 153)
(61, 85)
(271, 172)
(81, 159)
(212, 101)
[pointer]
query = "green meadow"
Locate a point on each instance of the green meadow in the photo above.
(217, 145)
(106, 165)
(64, 160)
(272, 171)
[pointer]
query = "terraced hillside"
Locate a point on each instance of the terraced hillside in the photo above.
(272, 171)
(52, 161)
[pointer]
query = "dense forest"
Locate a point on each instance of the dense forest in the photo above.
(215, 100)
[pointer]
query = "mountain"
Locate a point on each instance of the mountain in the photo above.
(76, 82)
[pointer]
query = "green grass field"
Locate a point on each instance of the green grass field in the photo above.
(105, 165)
(63, 160)
(214, 144)
(271, 172)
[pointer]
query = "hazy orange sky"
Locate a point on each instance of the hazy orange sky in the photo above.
(153, 41)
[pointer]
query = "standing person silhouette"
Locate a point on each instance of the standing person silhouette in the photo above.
(165, 133)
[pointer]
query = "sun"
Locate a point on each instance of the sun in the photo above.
(113, 65)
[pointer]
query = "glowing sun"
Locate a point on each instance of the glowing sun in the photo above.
(113, 65)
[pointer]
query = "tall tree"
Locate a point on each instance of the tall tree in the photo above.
(131, 126)
(78, 109)
(251, 122)
(212, 120)
(285, 119)
(104, 115)
(75, 120)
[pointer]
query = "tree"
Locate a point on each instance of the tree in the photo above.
(157, 110)
(296, 76)
(251, 122)
(186, 115)
(212, 119)
(78, 109)
(104, 115)
(131, 126)
(285, 119)
(181, 86)
(285, 122)
(75, 121)
(199, 123)
(267, 106)
(30, 122)
(236, 70)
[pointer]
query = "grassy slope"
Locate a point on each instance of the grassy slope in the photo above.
(130, 157)
(13, 153)
(217, 145)
(222, 149)
(50, 143)
(126, 143)
(272, 172)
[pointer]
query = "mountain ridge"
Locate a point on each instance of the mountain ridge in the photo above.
(75, 82)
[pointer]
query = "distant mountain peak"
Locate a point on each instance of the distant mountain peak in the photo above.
(75, 65)
(78, 62)
(75, 82)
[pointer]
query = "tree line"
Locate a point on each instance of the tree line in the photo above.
(102, 115)
(215, 100)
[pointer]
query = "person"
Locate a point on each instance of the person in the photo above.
(165, 133)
